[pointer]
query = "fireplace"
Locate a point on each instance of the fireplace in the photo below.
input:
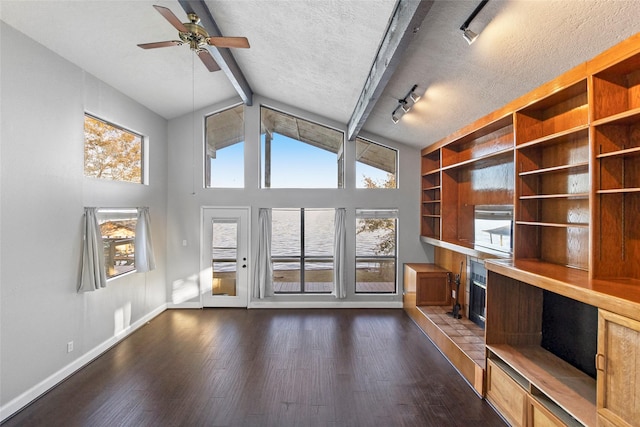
(477, 292)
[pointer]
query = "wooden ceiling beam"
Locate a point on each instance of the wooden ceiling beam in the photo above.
(403, 26)
(222, 56)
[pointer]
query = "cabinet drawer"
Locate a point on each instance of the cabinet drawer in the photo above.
(539, 416)
(506, 394)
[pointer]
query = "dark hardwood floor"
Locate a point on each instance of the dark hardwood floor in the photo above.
(237, 367)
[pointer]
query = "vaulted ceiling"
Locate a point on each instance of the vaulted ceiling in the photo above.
(316, 54)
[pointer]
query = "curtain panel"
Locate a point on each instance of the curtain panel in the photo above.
(94, 275)
(339, 256)
(144, 258)
(264, 268)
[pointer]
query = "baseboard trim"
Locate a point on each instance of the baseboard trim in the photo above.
(184, 305)
(47, 384)
(324, 304)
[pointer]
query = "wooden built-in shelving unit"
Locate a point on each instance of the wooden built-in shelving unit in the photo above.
(567, 157)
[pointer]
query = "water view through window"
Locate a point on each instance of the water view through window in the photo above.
(302, 251)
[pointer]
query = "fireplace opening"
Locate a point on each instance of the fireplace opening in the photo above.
(477, 293)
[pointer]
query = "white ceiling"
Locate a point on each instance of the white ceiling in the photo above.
(316, 54)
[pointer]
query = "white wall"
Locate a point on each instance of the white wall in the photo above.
(187, 196)
(43, 194)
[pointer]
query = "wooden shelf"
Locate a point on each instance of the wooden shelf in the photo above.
(619, 295)
(431, 201)
(624, 118)
(553, 224)
(479, 160)
(431, 172)
(430, 216)
(464, 247)
(569, 388)
(619, 191)
(556, 196)
(563, 112)
(635, 151)
(435, 187)
(555, 169)
(554, 138)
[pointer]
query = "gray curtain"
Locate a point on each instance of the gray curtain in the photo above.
(94, 275)
(144, 259)
(264, 268)
(339, 256)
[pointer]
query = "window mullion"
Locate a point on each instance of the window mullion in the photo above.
(302, 257)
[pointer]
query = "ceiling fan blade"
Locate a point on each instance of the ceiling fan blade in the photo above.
(160, 44)
(173, 19)
(208, 61)
(238, 42)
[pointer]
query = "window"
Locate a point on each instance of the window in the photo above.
(296, 153)
(302, 250)
(118, 229)
(376, 165)
(224, 149)
(376, 250)
(111, 152)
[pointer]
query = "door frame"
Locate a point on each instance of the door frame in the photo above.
(204, 266)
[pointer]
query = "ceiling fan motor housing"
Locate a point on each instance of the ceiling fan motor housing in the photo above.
(196, 36)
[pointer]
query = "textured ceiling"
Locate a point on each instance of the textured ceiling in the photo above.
(316, 54)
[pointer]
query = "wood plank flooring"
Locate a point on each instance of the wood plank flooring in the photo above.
(237, 367)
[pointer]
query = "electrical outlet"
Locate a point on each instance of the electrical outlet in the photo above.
(69, 346)
(184, 243)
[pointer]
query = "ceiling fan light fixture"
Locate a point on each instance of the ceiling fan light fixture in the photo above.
(198, 39)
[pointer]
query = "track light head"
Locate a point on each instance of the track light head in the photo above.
(397, 113)
(469, 36)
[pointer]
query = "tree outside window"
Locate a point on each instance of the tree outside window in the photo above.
(111, 152)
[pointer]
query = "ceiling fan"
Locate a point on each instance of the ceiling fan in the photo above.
(193, 34)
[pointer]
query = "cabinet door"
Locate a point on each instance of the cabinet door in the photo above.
(618, 364)
(506, 394)
(432, 289)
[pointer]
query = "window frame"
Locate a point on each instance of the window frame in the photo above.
(377, 214)
(102, 215)
(207, 158)
(264, 165)
(143, 149)
(302, 258)
(396, 163)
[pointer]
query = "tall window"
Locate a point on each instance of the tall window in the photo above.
(224, 148)
(111, 152)
(376, 165)
(296, 153)
(118, 229)
(302, 250)
(376, 250)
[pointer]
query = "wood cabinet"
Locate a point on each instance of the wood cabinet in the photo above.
(567, 157)
(616, 148)
(431, 190)
(429, 282)
(552, 160)
(481, 159)
(618, 364)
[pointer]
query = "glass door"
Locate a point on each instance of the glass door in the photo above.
(224, 260)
